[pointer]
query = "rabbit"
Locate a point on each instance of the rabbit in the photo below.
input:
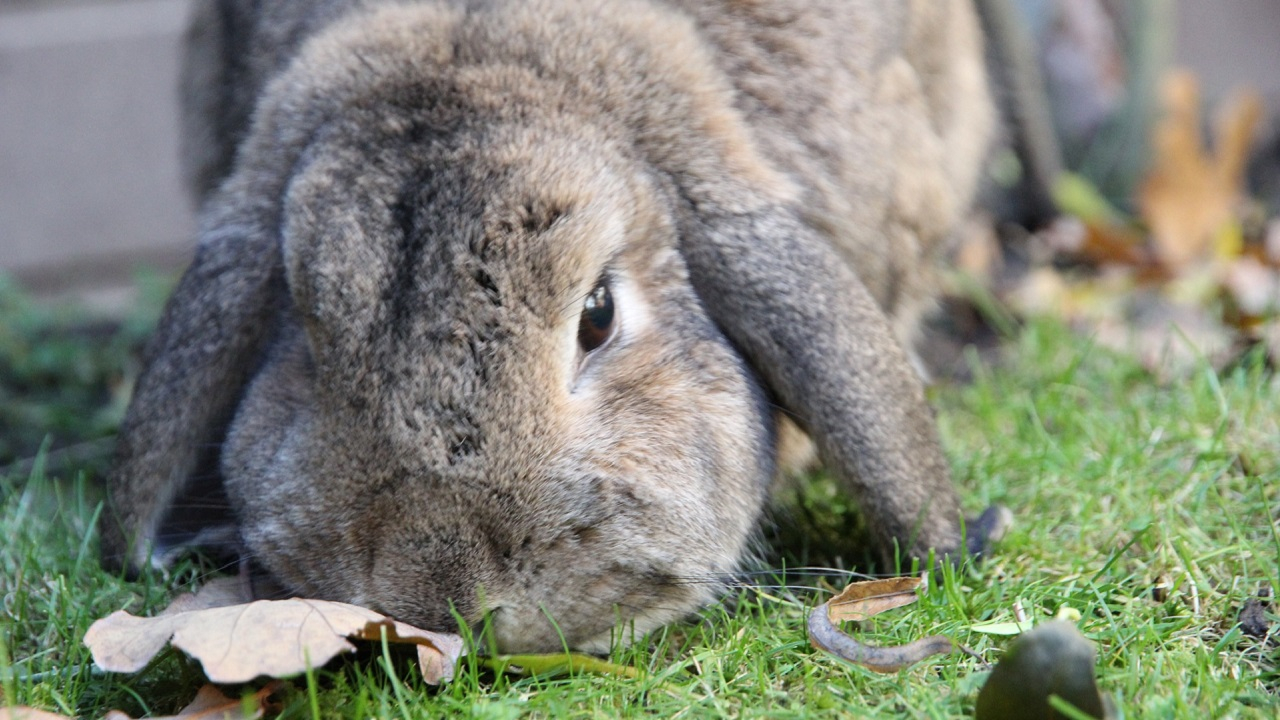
(514, 309)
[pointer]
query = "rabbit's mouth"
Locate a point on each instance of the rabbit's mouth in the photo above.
(581, 623)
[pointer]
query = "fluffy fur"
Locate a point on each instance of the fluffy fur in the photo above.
(374, 355)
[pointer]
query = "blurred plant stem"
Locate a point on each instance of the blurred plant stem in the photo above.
(1117, 157)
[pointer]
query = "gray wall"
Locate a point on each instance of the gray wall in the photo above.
(89, 184)
(1231, 43)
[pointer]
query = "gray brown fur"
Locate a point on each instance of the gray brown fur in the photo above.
(404, 205)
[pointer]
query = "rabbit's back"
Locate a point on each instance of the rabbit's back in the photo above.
(879, 111)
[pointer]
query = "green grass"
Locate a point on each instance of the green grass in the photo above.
(65, 377)
(1118, 485)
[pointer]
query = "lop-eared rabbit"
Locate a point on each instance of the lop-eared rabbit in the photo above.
(514, 307)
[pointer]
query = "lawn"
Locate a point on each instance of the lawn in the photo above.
(1150, 507)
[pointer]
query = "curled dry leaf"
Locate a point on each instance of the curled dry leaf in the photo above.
(271, 638)
(211, 703)
(860, 601)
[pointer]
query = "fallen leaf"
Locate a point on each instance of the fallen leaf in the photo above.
(1116, 244)
(211, 703)
(1052, 660)
(1160, 589)
(271, 638)
(1189, 196)
(860, 601)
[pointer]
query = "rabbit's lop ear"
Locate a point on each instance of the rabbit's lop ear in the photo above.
(206, 346)
(818, 339)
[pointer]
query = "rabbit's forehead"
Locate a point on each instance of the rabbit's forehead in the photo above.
(519, 222)
(532, 197)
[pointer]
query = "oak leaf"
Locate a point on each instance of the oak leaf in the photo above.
(271, 638)
(1189, 197)
(862, 600)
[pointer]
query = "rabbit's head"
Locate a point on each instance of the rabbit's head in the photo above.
(494, 387)
(492, 318)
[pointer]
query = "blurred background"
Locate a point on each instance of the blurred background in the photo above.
(89, 181)
(1091, 215)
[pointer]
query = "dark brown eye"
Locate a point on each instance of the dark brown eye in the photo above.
(596, 324)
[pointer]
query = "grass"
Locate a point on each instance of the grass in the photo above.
(1150, 508)
(66, 376)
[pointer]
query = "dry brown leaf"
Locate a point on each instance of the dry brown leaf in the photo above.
(1115, 244)
(211, 703)
(1103, 241)
(862, 600)
(1189, 196)
(271, 638)
(859, 601)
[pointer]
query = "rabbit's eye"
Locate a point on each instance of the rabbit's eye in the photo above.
(596, 323)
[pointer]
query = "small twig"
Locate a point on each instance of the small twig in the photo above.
(965, 649)
(824, 635)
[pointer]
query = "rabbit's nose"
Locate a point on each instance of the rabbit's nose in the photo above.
(509, 629)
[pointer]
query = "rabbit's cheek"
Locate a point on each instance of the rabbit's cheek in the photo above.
(293, 516)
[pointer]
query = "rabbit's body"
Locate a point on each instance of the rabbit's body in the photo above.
(384, 333)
